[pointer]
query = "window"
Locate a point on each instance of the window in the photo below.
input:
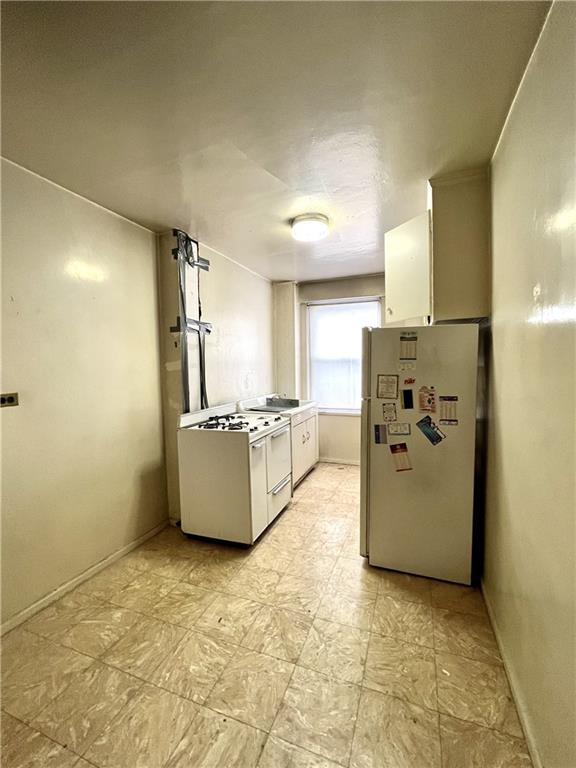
(335, 348)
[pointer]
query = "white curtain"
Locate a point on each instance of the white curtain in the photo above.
(336, 351)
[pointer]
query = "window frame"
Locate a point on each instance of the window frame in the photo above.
(308, 346)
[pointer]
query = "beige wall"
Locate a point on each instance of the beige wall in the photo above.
(530, 549)
(239, 361)
(286, 339)
(82, 457)
(339, 434)
(339, 437)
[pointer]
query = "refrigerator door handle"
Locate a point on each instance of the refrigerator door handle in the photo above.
(365, 477)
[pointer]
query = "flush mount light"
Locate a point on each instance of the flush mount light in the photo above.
(310, 227)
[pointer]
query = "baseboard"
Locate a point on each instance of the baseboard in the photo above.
(514, 688)
(339, 461)
(14, 621)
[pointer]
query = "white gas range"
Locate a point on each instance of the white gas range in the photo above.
(235, 472)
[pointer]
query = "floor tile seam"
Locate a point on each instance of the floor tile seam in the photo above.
(96, 736)
(485, 617)
(262, 730)
(520, 739)
(238, 645)
(474, 722)
(61, 641)
(56, 743)
(402, 699)
(490, 662)
(400, 639)
(121, 638)
(286, 739)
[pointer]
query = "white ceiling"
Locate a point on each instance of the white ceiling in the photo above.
(227, 119)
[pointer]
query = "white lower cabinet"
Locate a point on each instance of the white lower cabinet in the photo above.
(304, 446)
(258, 487)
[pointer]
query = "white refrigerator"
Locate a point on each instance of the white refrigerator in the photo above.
(420, 399)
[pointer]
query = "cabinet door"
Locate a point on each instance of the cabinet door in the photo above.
(299, 453)
(312, 440)
(258, 487)
(407, 257)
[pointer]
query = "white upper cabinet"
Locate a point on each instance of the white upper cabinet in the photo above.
(437, 265)
(407, 257)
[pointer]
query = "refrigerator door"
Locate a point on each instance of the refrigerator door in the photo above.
(421, 449)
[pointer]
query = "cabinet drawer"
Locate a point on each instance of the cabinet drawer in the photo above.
(278, 458)
(279, 497)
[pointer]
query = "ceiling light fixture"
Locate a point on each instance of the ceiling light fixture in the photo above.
(310, 227)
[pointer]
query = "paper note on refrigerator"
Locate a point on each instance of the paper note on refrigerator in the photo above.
(408, 345)
(449, 409)
(427, 400)
(399, 428)
(399, 453)
(387, 386)
(389, 412)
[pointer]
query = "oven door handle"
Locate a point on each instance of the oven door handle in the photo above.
(282, 485)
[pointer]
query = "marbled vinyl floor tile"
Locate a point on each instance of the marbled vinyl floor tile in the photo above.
(319, 567)
(108, 582)
(354, 611)
(143, 592)
(280, 754)
(270, 554)
(318, 714)
(217, 741)
(278, 633)
(145, 733)
(407, 621)
(99, 630)
(455, 597)
(9, 729)
(228, 617)
(254, 583)
(35, 671)
(183, 605)
(144, 646)
(467, 745)
(391, 733)
(476, 691)
(30, 749)
(194, 666)
(335, 650)
(54, 621)
(321, 491)
(213, 572)
(297, 593)
(404, 586)
(251, 688)
(85, 708)
(354, 574)
(465, 634)
(401, 669)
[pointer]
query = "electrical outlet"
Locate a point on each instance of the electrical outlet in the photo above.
(8, 399)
